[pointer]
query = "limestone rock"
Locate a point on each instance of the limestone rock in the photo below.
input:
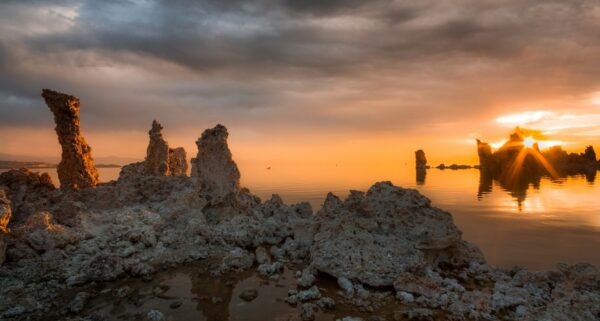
(420, 159)
(43, 234)
(27, 191)
(178, 162)
(76, 168)
(373, 238)
(160, 159)
(3, 245)
(5, 211)
(157, 153)
(218, 175)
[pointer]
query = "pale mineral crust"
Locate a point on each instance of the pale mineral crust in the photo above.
(373, 238)
(76, 168)
(217, 174)
(27, 191)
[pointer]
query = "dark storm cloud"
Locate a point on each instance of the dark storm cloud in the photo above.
(287, 61)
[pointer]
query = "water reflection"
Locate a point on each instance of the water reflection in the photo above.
(519, 186)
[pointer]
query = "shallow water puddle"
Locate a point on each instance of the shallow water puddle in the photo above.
(190, 293)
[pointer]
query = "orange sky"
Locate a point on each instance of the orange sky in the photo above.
(313, 82)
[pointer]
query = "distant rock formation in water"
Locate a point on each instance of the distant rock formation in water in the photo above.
(420, 159)
(455, 166)
(514, 157)
(517, 167)
(76, 168)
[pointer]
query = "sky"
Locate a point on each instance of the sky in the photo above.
(323, 81)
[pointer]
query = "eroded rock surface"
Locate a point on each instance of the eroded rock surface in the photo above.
(5, 211)
(27, 191)
(76, 168)
(160, 159)
(217, 174)
(374, 237)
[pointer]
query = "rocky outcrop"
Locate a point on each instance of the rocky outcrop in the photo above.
(5, 211)
(27, 191)
(76, 168)
(218, 177)
(420, 159)
(5, 215)
(157, 153)
(162, 160)
(373, 238)
(42, 233)
(178, 162)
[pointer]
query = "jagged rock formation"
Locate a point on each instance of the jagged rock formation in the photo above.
(76, 168)
(157, 154)
(217, 174)
(420, 159)
(396, 228)
(5, 211)
(162, 160)
(26, 191)
(5, 215)
(178, 162)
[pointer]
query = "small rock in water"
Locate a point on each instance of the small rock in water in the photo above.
(346, 285)
(308, 312)
(311, 294)
(249, 295)
(326, 303)
(306, 279)
(262, 256)
(176, 304)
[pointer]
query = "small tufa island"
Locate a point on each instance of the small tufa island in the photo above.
(387, 247)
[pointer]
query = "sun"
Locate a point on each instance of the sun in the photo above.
(529, 142)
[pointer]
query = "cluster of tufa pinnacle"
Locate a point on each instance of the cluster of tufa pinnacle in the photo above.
(215, 171)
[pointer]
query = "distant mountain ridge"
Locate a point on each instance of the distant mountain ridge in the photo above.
(7, 164)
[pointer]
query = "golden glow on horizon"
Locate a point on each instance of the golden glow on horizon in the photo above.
(522, 119)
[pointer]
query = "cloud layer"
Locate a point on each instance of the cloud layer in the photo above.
(332, 67)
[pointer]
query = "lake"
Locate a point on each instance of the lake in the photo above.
(558, 221)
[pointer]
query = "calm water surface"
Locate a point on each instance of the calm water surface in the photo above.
(557, 222)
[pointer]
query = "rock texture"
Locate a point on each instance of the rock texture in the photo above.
(217, 174)
(5, 211)
(76, 168)
(373, 238)
(157, 153)
(27, 191)
(162, 160)
(178, 162)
